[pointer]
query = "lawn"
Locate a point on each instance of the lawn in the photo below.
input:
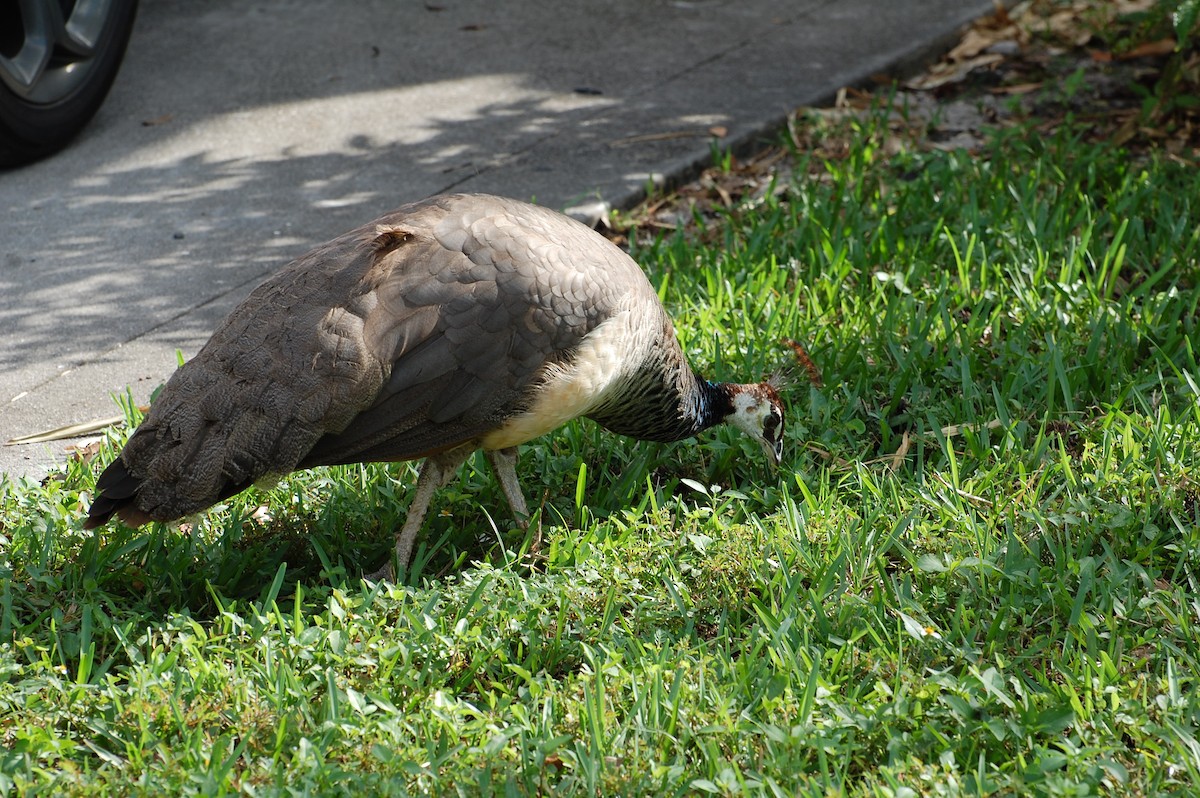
(977, 571)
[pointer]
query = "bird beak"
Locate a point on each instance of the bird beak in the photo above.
(774, 450)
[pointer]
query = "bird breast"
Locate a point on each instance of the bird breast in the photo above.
(595, 369)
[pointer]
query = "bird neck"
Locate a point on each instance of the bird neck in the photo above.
(711, 403)
(677, 405)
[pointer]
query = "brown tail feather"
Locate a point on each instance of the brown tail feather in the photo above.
(116, 494)
(116, 490)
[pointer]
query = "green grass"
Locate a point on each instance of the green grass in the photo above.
(977, 573)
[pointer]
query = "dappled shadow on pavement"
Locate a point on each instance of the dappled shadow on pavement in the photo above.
(238, 137)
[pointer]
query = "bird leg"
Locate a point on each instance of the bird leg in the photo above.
(504, 465)
(436, 472)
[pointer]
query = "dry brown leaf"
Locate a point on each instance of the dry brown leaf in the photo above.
(1126, 131)
(1124, 7)
(1161, 47)
(839, 462)
(946, 73)
(1069, 26)
(951, 430)
(1017, 88)
(73, 430)
(69, 431)
(856, 98)
(978, 39)
(726, 197)
(973, 43)
(971, 497)
(84, 454)
(901, 452)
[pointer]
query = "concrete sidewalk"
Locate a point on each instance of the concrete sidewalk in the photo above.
(238, 135)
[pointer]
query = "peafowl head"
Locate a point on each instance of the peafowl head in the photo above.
(758, 411)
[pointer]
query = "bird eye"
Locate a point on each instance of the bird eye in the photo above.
(771, 424)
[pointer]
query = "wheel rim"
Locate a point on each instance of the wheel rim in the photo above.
(53, 49)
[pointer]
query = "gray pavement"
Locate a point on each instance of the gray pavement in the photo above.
(240, 134)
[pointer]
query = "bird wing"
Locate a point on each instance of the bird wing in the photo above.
(278, 373)
(467, 304)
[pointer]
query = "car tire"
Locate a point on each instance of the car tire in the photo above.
(58, 59)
